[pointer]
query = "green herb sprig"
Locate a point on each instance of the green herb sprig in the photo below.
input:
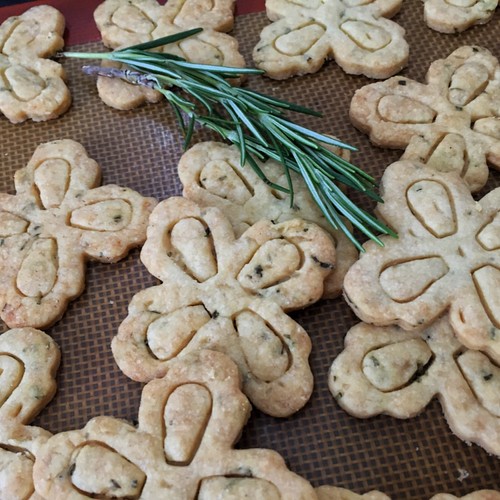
(254, 122)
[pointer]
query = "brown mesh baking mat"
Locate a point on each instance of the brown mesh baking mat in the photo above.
(405, 458)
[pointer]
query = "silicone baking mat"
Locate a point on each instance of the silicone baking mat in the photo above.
(405, 458)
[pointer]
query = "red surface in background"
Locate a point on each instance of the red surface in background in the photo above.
(80, 26)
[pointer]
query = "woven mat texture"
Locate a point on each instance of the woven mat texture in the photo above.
(405, 458)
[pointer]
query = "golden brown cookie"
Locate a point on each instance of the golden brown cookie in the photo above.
(229, 295)
(129, 22)
(58, 219)
(182, 448)
(387, 370)
(446, 257)
(453, 16)
(356, 34)
(212, 176)
(452, 123)
(32, 87)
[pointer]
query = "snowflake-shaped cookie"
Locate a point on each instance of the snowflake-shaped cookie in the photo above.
(182, 448)
(28, 362)
(353, 32)
(447, 256)
(212, 175)
(229, 295)
(57, 220)
(388, 370)
(32, 87)
(453, 16)
(130, 22)
(452, 123)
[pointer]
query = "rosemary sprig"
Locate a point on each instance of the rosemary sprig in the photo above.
(254, 122)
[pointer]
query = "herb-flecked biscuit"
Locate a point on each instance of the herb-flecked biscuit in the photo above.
(335, 493)
(455, 16)
(212, 175)
(31, 86)
(451, 123)
(182, 448)
(130, 22)
(229, 295)
(58, 219)
(446, 257)
(356, 34)
(387, 370)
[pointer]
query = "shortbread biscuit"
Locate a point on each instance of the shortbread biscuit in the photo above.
(129, 22)
(32, 87)
(455, 16)
(212, 176)
(387, 370)
(355, 34)
(229, 295)
(182, 448)
(58, 219)
(452, 123)
(447, 257)
(334, 493)
(475, 495)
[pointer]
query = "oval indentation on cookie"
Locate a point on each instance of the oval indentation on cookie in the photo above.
(399, 109)
(309, 4)
(448, 155)
(366, 35)
(299, 40)
(38, 272)
(462, 3)
(186, 415)
(432, 205)
(132, 19)
(274, 262)
(184, 15)
(483, 377)
(487, 282)
(395, 366)
(237, 487)
(468, 81)
(11, 375)
(192, 239)
(17, 474)
(488, 126)
(356, 3)
(168, 335)
(26, 85)
(99, 470)
(20, 36)
(11, 225)
(52, 181)
(224, 180)
(266, 354)
(196, 50)
(405, 281)
(489, 235)
(106, 215)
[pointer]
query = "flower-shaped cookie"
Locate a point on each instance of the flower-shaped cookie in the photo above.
(182, 448)
(227, 294)
(212, 176)
(32, 87)
(452, 16)
(447, 256)
(130, 22)
(352, 32)
(452, 123)
(28, 362)
(388, 370)
(57, 220)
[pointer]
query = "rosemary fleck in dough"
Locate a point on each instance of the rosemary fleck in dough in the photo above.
(388, 370)
(229, 295)
(212, 175)
(356, 34)
(32, 87)
(182, 448)
(130, 22)
(452, 123)
(58, 219)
